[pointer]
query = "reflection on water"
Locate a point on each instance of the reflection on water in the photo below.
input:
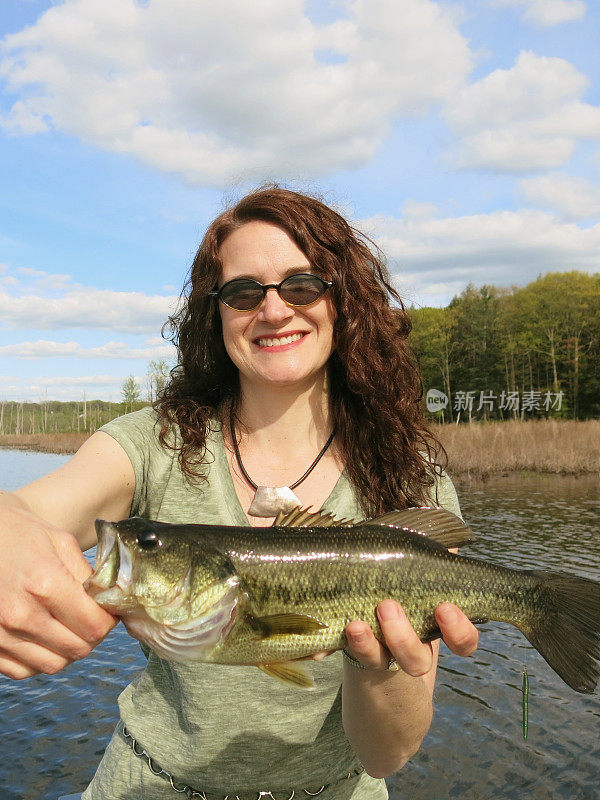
(53, 729)
(475, 749)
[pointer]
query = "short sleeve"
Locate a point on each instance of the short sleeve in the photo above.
(137, 433)
(443, 494)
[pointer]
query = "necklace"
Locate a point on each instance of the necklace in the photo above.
(270, 500)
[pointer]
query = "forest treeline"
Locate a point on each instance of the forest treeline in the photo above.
(84, 416)
(55, 416)
(498, 353)
(492, 353)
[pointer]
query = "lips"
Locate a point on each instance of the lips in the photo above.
(280, 340)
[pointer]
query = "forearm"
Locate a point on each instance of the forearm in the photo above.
(386, 716)
(10, 500)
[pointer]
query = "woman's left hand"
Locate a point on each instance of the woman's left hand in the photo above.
(402, 643)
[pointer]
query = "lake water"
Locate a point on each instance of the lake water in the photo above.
(53, 729)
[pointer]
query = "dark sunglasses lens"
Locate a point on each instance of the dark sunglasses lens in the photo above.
(302, 290)
(242, 295)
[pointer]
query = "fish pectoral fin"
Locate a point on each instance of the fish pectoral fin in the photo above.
(437, 524)
(291, 673)
(277, 624)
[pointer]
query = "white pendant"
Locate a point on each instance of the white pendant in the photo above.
(269, 501)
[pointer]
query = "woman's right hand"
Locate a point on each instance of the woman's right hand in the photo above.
(46, 618)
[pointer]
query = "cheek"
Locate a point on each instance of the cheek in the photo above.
(329, 322)
(232, 332)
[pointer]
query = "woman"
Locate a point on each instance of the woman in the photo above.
(293, 365)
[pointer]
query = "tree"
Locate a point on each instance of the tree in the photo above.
(433, 340)
(131, 392)
(157, 376)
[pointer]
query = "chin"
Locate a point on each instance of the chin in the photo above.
(290, 377)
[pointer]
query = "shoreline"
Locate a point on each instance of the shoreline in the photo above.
(458, 476)
(476, 451)
(57, 443)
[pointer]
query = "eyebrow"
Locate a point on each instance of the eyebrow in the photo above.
(298, 270)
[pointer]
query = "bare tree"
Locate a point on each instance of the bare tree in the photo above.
(157, 376)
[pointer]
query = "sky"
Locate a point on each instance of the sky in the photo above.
(463, 137)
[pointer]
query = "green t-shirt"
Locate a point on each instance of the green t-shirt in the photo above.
(226, 729)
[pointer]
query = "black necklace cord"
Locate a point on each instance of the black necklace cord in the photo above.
(249, 479)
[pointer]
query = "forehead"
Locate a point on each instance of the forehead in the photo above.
(262, 251)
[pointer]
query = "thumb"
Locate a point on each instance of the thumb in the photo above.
(68, 551)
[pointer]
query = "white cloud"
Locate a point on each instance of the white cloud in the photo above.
(43, 301)
(525, 118)
(434, 259)
(43, 348)
(413, 209)
(80, 380)
(180, 87)
(573, 198)
(547, 12)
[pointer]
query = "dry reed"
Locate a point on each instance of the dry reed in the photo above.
(477, 449)
(480, 449)
(44, 442)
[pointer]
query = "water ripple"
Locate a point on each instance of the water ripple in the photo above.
(54, 729)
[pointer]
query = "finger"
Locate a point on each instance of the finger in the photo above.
(69, 552)
(14, 669)
(323, 654)
(41, 629)
(411, 654)
(363, 645)
(33, 659)
(66, 601)
(459, 633)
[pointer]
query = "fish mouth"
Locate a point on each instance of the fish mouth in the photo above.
(107, 560)
(111, 583)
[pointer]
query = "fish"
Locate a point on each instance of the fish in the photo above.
(273, 596)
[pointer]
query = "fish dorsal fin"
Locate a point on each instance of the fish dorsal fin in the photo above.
(290, 673)
(305, 518)
(286, 624)
(437, 524)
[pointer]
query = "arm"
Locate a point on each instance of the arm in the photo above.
(387, 714)
(46, 618)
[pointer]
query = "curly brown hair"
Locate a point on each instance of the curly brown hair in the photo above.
(391, 456)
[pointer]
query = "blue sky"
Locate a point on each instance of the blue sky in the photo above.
(464, 137)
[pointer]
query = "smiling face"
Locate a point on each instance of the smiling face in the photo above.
(275, 343)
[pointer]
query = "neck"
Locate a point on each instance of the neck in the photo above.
(289, 414)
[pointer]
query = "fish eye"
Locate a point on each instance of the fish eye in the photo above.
(148, 540)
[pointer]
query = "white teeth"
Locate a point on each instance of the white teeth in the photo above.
(280, 340)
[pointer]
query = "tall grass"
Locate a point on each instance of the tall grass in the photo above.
(477, 449)
(481, 449)
(44, 442)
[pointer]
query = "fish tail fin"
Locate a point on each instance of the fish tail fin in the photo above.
(565, 628)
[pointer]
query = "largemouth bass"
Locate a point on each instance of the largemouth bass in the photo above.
(271, 596)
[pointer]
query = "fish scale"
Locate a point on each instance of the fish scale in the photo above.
(418, 581)
(269, 596)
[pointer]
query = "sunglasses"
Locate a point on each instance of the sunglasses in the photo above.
(246, 294)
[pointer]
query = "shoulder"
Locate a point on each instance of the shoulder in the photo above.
(138, 432)
(143, 422)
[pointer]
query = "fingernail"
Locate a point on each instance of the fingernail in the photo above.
(448, 614)
(388, 611)
(358, 637)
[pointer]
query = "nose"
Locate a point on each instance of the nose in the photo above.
(273, 309)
